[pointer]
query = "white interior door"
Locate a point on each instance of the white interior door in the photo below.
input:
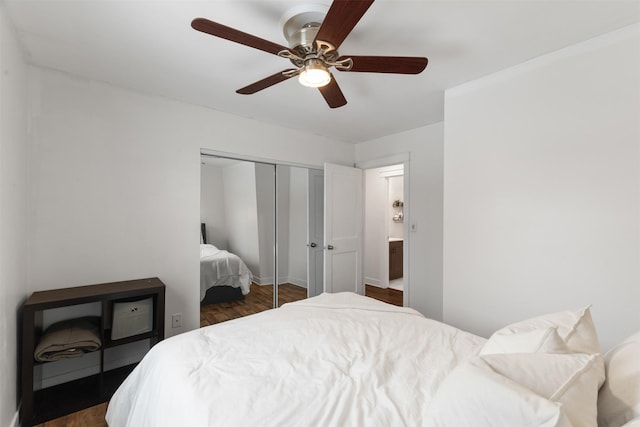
(342, 228)
(315, 230)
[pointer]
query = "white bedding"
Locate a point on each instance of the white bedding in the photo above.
(222, 268)
(332, 360)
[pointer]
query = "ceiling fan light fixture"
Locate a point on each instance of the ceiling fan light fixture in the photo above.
(315, 33)
(314, 74)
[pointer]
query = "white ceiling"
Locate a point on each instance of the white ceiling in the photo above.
(150, 47)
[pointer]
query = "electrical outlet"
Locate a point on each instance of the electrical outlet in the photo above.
(176, 320)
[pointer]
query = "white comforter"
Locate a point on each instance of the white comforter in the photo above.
(332, 360)
(222, 268)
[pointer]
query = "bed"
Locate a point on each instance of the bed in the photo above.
(348, 360)
(221, 270)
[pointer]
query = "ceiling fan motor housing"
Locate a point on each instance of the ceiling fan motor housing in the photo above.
(300, 26)
(300, 16)
(302, 40)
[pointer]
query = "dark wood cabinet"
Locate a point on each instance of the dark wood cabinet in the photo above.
(55, 401)
(395, 259)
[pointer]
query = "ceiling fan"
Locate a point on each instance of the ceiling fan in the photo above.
(314, 40)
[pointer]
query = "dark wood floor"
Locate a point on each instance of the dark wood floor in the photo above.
(259, 299)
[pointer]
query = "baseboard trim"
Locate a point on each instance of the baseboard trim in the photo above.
(301, 283)
(262, 281)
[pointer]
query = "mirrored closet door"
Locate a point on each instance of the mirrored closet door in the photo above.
(299, 230)
(259, 244)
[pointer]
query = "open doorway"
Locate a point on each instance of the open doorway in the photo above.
(385, 233)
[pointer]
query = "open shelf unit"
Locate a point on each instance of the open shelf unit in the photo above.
(58, 400)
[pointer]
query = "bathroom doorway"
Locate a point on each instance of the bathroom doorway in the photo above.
(385, 232)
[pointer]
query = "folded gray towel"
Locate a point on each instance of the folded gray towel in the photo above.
(69, 338)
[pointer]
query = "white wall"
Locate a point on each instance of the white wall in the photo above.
(116, 183)
(212, 205)
(542, 180)
(13, 210)
(241, 213)
(425, 147)
(376, 242)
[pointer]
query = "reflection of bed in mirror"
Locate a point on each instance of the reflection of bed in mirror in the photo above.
(223, 275)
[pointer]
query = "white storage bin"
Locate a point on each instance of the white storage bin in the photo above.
(131, 318)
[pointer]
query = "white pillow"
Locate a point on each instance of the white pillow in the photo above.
(473, 395)
(619, 399)
(572, 380)
(520, 389)
(535, 341)
(633, 423)
(575, 328)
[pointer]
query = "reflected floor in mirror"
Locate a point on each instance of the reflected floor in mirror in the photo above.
(260, 298)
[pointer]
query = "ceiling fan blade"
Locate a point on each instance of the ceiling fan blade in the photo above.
(228, 33)
(342, 16)
(264, 83)
(387, 64)
(332, 94)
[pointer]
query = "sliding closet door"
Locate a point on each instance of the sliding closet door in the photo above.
(266, 219)
(271, 217)
(292, 226)
(237, 208)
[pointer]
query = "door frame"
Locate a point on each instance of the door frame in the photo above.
(395, 159)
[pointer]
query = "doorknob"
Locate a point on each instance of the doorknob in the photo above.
(313, 245)
(330, 247)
